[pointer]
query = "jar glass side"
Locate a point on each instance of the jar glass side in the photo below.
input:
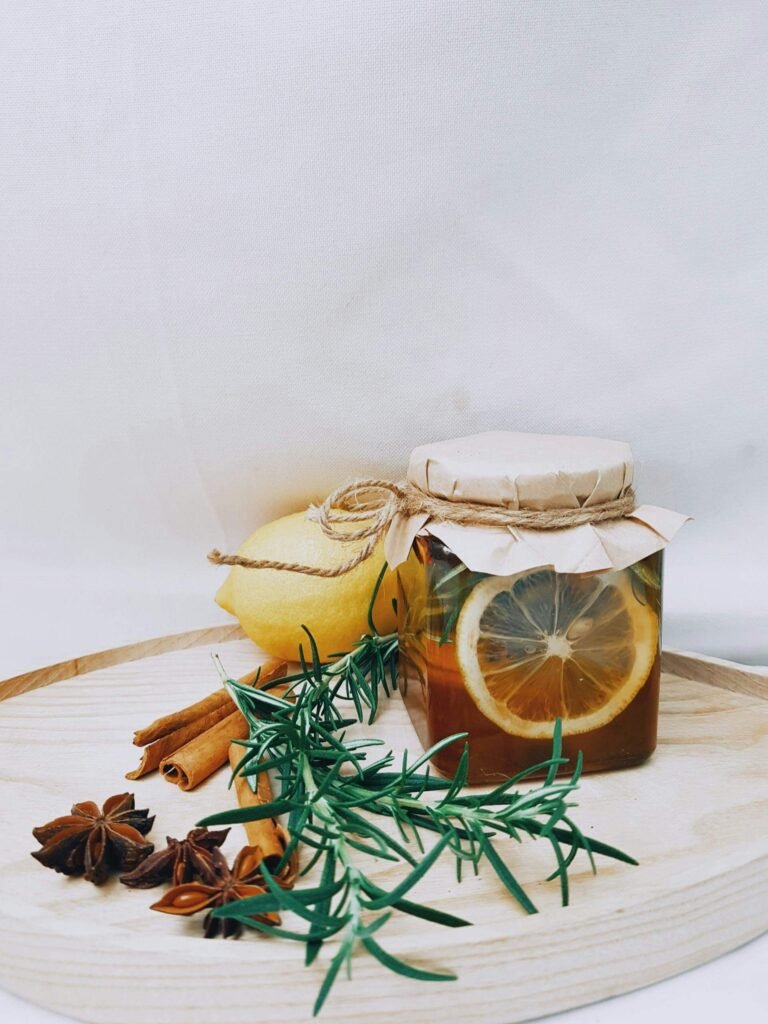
(493, 657)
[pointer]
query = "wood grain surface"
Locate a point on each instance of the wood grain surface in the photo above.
(696, 816)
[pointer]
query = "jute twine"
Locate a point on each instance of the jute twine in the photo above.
(375, 503)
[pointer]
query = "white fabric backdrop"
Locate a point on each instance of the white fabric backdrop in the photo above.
(252, 249)
(249, 249)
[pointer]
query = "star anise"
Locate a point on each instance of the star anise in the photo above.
(182, 860)
(93, 842)
(219, 885)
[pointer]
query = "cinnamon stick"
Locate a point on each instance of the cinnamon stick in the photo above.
(202, 756)
(267, 833)
(166, 745)
(220, 701)
(196, 760)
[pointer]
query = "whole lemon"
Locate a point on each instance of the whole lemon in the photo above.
(272, 605)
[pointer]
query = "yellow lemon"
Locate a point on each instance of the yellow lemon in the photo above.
(272, 605)
(540, 646)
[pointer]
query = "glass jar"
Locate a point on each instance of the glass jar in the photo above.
(500, 657)
(529, 591)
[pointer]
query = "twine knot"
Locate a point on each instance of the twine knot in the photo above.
(373, 504)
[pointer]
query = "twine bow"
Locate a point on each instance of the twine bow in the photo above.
(375, 503)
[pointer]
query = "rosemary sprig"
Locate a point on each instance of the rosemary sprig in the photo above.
(332, 794)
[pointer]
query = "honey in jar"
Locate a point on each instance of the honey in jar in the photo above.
(572, 632)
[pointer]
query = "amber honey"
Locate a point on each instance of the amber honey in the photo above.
(500, 658)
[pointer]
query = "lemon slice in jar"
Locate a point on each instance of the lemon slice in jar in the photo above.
(543, 645)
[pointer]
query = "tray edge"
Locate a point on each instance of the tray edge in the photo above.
(728, 675)
(79, 666)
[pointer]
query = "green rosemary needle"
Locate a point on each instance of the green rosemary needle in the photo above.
(332, 794)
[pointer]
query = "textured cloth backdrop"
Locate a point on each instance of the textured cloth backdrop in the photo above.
(250, 250)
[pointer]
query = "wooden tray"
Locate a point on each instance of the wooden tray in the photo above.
(696, 817)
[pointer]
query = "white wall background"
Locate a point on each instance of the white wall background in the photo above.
(250, 249)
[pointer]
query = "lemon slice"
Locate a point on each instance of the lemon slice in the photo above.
(543, 645)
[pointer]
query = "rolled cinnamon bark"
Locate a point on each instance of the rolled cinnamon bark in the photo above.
(266, 833)
(219, 702)
(166, 745)
(215, 704)
(196, 760)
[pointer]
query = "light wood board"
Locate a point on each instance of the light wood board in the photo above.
(696, 816)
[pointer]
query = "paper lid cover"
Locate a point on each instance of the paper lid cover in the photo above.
(532, 471)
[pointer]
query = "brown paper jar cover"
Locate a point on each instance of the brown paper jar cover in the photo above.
(532, 471)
